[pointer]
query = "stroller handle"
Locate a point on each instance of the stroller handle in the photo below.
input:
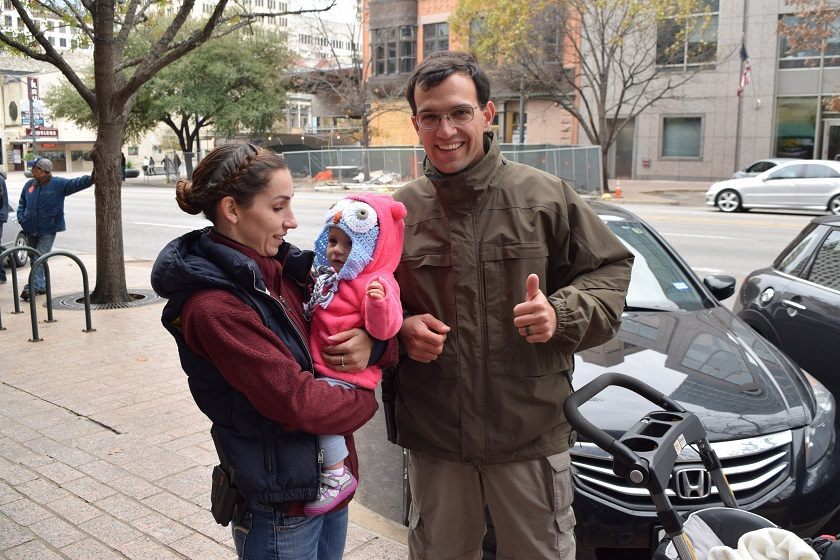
(598, 436)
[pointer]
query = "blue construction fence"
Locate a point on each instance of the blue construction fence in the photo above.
(580, 166)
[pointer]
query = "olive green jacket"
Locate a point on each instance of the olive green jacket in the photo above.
(471, 240)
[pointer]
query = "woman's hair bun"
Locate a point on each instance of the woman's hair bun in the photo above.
(185, 196)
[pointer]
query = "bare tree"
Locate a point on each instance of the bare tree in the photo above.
(603, 61)
(118, 75)
(344, 84)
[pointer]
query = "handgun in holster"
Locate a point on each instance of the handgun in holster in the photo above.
(226, 504)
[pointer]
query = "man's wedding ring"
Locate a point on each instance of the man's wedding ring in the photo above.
(527, 330)
(342, 360)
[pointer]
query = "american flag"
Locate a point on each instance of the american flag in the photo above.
(747, 69)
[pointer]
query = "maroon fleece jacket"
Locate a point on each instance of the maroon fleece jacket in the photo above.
(219, 327)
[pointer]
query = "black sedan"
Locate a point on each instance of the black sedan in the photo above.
(771, 424)
(795, 302)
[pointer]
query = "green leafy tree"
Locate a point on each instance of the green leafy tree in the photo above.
(603, 61)
(213, 86)
(118, 74)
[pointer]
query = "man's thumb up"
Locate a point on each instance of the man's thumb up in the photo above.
(532, 287)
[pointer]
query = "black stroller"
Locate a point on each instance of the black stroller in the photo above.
(644, 457)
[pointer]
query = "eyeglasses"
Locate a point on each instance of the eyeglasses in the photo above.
(456, 116)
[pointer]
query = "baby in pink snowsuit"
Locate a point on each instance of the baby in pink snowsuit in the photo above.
(355, 258)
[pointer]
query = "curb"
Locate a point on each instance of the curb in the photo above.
(378, 524)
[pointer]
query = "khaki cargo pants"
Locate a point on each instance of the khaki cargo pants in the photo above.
(529, 503)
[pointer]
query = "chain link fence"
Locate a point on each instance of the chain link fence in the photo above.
(580, 166)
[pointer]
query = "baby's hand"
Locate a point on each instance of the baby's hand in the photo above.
(376, 290)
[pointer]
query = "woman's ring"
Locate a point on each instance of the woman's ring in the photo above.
(527, 330)
(342, 360)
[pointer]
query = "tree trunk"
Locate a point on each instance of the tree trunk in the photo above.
(110, 261)
(188, 163)
(111, 113)
(605, 185)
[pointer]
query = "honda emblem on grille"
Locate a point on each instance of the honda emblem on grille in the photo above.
(693, 484)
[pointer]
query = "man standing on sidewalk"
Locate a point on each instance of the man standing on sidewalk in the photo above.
(505, 273)
(40, 213)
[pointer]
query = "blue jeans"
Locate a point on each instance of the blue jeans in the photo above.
(264, 534)
(44, 244)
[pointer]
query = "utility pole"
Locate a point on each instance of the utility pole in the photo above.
(32, 83)
(197, 139)
(521, 110)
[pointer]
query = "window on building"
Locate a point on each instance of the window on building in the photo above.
(477, 29)
(795, 128)
(689, 40)
(435, 37)
(394, 50)
(682, 137)
(790, 58)
(62, 42)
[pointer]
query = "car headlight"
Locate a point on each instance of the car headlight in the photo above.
(819, 435)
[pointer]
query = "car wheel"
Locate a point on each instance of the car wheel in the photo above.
(21, 257)
(728, 201)
(834, 205)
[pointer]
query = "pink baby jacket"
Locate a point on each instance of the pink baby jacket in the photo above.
(375, 225)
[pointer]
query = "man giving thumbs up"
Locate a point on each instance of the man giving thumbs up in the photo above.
(481, 384)
(535, 318)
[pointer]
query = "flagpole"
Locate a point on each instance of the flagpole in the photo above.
(738, 133)
(741, 96)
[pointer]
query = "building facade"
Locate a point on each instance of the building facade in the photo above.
(398, 34)
(790, 106)
(706, 130)
(26, 127)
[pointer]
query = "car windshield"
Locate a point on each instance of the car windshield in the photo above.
(657, 281)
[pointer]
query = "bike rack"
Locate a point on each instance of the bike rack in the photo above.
(32, 309)
(7, 254)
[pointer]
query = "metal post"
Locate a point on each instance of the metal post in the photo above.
(29, 80)
(197, 140)
(521, 110)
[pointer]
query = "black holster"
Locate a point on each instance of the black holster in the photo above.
(389, 398)
(226, 504)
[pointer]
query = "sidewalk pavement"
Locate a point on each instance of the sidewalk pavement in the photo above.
(103, 452)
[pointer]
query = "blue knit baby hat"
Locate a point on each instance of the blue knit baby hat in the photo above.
(359, 221)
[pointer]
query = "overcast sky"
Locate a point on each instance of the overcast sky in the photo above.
(344, 10)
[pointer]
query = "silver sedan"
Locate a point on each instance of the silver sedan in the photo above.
(797, 184)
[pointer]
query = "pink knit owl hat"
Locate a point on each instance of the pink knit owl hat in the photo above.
(359, 221)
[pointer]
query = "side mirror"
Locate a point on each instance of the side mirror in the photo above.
(721, 285)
